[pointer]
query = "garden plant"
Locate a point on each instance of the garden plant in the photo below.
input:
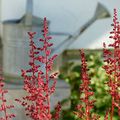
(85, 82)
(3, 106)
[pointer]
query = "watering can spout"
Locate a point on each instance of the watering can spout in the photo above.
(101, 12)
(29, 10)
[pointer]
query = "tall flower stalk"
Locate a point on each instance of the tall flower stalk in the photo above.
(3, 106)
(56, 115)
(37, 78)
(112, 66)
(84, 110)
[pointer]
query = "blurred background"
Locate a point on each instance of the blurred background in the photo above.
(73, 24)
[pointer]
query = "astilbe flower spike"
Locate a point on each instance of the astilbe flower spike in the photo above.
(84, 111)
(4, 107)
(106, 115)
(56, 116)
(112, 65)
(37, 79)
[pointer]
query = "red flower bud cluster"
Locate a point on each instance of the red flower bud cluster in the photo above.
(106, 115)
(56, 116)
(4, 107)
(84, 111)
(37, 78)
(112, 65)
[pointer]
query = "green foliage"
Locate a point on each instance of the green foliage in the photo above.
(70, 72)
(98, 79)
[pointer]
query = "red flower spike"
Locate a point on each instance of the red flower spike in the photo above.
(106, 115)
(112, 60)
(86, 90)
(4, 107)
(57, 111)
(31, 34)
(36, 81)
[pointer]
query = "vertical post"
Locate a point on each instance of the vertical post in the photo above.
(29, 9)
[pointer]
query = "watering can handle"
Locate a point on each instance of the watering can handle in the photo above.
(29, 10)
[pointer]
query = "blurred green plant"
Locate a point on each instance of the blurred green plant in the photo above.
(70, 72)
(98, 80)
